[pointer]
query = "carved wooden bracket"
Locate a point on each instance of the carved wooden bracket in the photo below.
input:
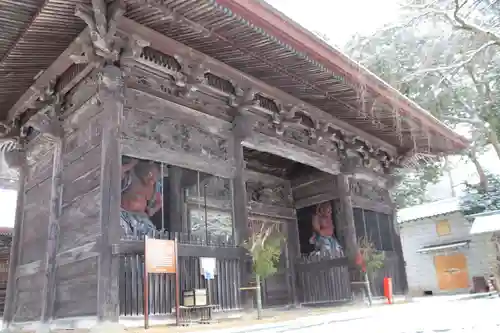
(135, 46)
(242, 100)
(242, 128)
(49, 125)
(111, 77)
(285, 117)
(102, 21)
(191, 77)
(275, 194)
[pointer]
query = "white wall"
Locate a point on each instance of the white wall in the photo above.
(420, 266)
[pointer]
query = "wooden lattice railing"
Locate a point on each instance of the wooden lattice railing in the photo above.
(225, 293)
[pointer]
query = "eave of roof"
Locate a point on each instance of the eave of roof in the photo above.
(290, 32)
(41, 37)
(486, 223)
(429, 210)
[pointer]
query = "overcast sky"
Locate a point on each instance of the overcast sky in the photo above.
(7, 207)
(337, 19)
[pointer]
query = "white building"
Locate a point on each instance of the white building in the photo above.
(442, 256)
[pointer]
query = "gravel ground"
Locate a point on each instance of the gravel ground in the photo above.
(436, 315)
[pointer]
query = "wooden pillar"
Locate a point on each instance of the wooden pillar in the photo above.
(48, 294)
(239, 182)
(292, 250)
(349, 232)
(240, 207)
(175, 195)
(111, 96)
(15, 159)
(398, 248)
(395, 234)
(347, 214)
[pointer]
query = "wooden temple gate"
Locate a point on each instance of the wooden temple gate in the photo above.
(197, 107)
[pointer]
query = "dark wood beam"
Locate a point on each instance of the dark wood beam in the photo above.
(176, 198)
(59, 66)
(126, 247)
(276, 146)
(49, 267)
(348, 227)
(111, 95)
(272, 211)
(364, 203)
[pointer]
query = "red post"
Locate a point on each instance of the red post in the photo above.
(388, 289)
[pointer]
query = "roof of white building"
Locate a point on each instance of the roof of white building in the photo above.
(430, 209)
(486, 222)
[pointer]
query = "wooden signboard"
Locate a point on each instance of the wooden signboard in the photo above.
(160, 257)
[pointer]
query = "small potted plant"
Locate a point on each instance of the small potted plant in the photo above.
(264, 246)
(373, 261)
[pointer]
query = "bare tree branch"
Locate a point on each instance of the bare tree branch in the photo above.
(470, 26)
(455, 20)
(452, 66)
(459, 120)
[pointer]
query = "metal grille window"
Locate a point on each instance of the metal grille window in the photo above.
(377, 227)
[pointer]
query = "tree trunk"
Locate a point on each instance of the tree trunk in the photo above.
(450, 178)
(368, 289)
(259, 297)
(483, 180)
(492, 135)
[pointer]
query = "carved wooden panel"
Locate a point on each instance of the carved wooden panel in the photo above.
(215, 90)
(278, 195)
(172, 141)
(164, 87)
(313, 188)
(269, 190)
(369, 191)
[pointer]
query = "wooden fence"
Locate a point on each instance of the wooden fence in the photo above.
(321, 280)
(224, 288)
(392, 268)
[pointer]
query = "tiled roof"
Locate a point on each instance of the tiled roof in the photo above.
(247, 35)
(431, 209)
